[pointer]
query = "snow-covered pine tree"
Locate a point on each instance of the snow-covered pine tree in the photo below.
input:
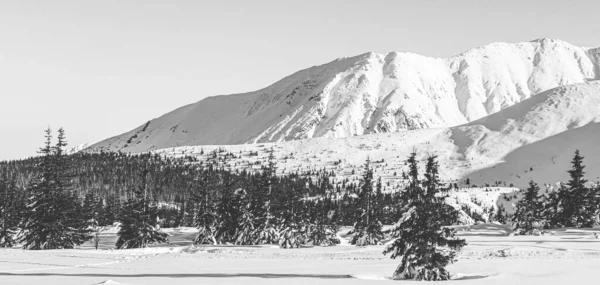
(51, 219)
(227, 209)
(322, 229)
(266, 226)
(9, 210)
(571, 205)
(92, 209)
(206, 187)
(528, 215)
(583, 205)
(500, 215)
(112, 210)
(423, 243)
(139, 218)
(292, 225)
(367, 228)
(246, 231)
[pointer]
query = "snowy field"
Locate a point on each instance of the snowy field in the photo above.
(491, 257)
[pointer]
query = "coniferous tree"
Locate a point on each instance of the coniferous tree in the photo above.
(9, 210)
(578, 204)
(112, 211)
(367, 228)
(422, 242)
(529, 211)
(51, 219)
(266, 226)
(246, 233)
(500, 215)
(322, 229)
(92, 209)
(207, 218)
(293, 218)
(572, 205)
(139, 219)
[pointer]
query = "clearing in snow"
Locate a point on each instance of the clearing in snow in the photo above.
(491, 257)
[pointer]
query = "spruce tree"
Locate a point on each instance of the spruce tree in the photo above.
(51, 219)
(322, 229)
(293, 218)
(572, 205)
(9, 210)
(582, 205)
(266, 226)
(422, 241)
(529, 211)
(139, 219)
(92, 209)
(367, 228)
(207, 219)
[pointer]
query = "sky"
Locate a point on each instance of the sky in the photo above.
(101, 68)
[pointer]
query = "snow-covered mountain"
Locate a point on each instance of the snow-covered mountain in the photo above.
(378, 93)
(534, 139)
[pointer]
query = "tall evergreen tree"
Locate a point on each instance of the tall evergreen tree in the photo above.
(529, 211)
(293, 217)
(92, 209)
(266, 226)
(139, 219)
(367, 228)
(423, 243)
(9, 210)
(573, 205)
(51, 220)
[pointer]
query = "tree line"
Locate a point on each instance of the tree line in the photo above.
(56, 201)
(575, 203)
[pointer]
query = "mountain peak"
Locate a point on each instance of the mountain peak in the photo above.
(370, 93)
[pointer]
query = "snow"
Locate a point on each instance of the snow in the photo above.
(371, 93)
(534, 139)
(491, 257)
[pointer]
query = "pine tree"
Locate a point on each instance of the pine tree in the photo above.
(51, 220)
(207, 218)
(293, 219)
(139, 219)
(246, 231)
(266, 230)
(529, 211)
(500, 216)
(422, 242)
(572, 205)
(111, 212)
(367, 228)
(92, 209)
(9, 210)
(322, 229)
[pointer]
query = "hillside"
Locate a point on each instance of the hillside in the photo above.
(371, 93)
(534, 139)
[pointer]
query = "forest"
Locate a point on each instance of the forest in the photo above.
(56, 200)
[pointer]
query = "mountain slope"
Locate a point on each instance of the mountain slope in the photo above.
(534, 139)
(371, 93)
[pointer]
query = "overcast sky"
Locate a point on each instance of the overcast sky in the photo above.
(100, 68)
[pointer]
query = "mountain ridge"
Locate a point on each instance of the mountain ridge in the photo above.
(532, 140)
(371, 93)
